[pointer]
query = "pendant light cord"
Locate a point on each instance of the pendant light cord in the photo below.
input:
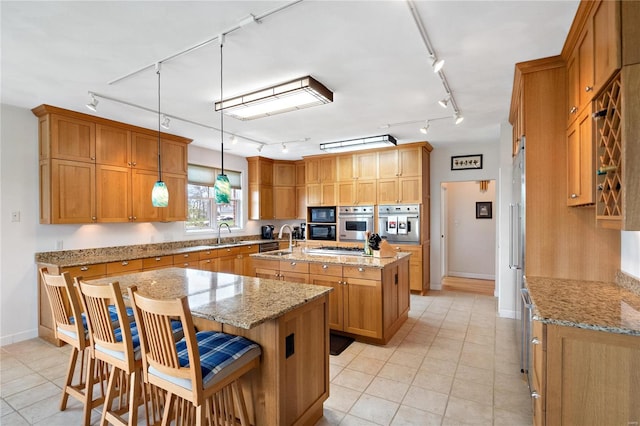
(159, 144)
(221, 114)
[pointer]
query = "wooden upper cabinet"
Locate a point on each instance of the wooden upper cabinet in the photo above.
(321, 169)
(144, 151)
(113, 193)
(72, 139)
(366, 164)
(113, 146)
(573, 83)
(388, 164)
(174, 157)
(300, 173)
(284, 173)
(585, 65)
(72, 194)
(606, 37)
(410, 161)
(345, 168)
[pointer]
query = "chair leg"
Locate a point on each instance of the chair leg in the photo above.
(242, 407)
(108, 399)
(88, 389)
(134, 397)
(73, 357)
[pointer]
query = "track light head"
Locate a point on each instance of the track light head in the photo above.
(259, 148)
(165, 122)
(444, 102)
(437, 65)
(459, 118)
(425, 129)
(284, 148)
(234, 140)
(93, 103)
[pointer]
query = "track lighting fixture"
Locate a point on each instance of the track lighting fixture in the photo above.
(93, 104)
(444, 102)
(165, 122)
(234, 140)
(437, 65)
(458, 118)
(425, 129)
(259, 148)
(284, 148)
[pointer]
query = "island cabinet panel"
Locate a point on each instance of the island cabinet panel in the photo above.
(363, 302)
(592, 377)
(330, 275)
(292, 382)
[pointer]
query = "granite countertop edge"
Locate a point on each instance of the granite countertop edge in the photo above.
(554, 310)
(355, 260)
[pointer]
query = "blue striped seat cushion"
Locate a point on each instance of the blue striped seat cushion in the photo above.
(220, 355)
(112, 314)
(135, 338)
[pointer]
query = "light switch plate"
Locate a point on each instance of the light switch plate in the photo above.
(15, 216)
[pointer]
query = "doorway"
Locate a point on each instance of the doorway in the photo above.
(468, 236)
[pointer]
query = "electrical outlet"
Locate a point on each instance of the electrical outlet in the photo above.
(59, 244)
(15, 216)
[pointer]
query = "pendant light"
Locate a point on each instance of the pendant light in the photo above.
(160, 193)
(222, 187)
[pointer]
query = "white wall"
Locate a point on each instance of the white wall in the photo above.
(441, 172)
(630, 253)
(21, 240)
(471, 242)
(508, 295)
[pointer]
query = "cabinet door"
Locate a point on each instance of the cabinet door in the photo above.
(606, 36)
(294, 277)
(284, 174)
(266, 202)
(328, 194)
(410, 163)
(363, 307)
(388, 164)
(336, 299)
(300, 173)
(177, 208)
(284, 202)
(366, 191)
(314, 194)
(585, 56)
(73, 192)
(366, 165)
(174, 157)
(144, 151)
(142, 182)
(580, 164)
(73, 139)
(410, 190)
(113, 194)
(113, 146)
(210, 265)
(301, 202)
(345, 168)
(328, 169)
(312, 170)
(388, 191)
(573, 83)
(227, 264)
(346, 193)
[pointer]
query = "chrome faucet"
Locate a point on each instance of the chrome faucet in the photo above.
(220, 228)
(286, 225)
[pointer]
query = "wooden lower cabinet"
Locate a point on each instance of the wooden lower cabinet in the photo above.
(418, 274)
(585, 377)
(368, 302)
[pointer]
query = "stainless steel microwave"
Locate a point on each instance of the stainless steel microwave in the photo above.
(321, 214)
(321, 231)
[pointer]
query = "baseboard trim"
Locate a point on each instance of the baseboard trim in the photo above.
(472, 275)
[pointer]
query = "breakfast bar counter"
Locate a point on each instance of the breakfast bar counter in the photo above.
(288, 321)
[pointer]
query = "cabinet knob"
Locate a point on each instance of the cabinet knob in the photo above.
(535, 341)
(535, 394)
(574, 195)
(293, 263)
(135, 218)
(360, 269)
(186, 264)
(325, 266)
(94, 218)
(185, 255)
(125, 263)
(134, 163)
(573, 110)
(84, 268)
(588, 88)
(130, 218)
(93, 158)
(158, 259)
(128, 163)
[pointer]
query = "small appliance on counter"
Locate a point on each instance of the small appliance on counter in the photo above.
(267, 232)
(303, 230)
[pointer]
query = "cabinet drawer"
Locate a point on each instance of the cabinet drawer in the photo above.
(229, 251)
(294, 266)
(195, 264)
(248, 249)
(325, 269)
(179, 259)
(114, 268)
(265, 264)
(362, 272)
(86, 271)
(208, 254)
(155, 262)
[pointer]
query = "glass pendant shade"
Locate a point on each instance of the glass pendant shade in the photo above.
(222, 189)
(160, 194)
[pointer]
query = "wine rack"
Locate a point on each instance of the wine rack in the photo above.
(608, 134)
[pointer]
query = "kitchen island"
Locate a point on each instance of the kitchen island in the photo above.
(585, 351)
(288, 321)
(371, 295)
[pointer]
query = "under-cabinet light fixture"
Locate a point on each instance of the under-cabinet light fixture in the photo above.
(292, 95)
(358, 144)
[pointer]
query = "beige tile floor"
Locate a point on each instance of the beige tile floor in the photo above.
(454, 362)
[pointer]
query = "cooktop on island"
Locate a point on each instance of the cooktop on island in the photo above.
(336, 251)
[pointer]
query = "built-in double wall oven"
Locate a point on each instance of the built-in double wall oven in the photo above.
(354, 222)
(321, 223)
(399, 223)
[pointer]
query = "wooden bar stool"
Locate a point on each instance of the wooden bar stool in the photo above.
(65, 307)
(117, 344)
(200, 372)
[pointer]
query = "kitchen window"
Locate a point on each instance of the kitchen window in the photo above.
(203, 214)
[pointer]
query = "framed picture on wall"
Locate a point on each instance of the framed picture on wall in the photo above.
(465, 162)
(483, 210)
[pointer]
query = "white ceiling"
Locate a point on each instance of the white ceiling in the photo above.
(369, 53)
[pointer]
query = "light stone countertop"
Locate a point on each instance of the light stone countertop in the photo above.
(594, 305)
(90, 256)
(355, 260)
(240, 301)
